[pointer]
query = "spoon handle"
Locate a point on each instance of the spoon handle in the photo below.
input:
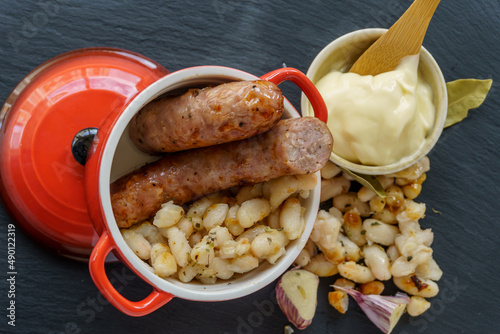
(404, 38)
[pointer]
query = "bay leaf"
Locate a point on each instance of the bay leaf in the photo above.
(463, 95)
(369, 181)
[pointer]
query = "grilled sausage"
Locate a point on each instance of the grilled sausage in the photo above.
(293, 146)
(208, 116)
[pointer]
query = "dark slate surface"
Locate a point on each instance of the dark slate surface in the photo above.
(56, 295)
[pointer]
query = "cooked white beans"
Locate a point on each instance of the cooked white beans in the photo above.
(402, 267)
(417, 306)
(417, 286)
(282, 188)
(379, 232)
(215, 215)
(365, 194)
(326, 229)
(330, 170)
(348, 201)
(168, 215)
(158, 249)
(220, 234)
(248, 192)
(139, 245)
(252, 232)
(232, 249)
(333, 187)
(339, 300)
(268, 244)
(353, 227)
(148, 231)
(243, 264)
(186, 226)
(203, 251)
(179, 245)
(231, 221)
(355, 272)
(352, 252)
(292, 219)
(321, 267)
(164, 262)
(429, 270)
(376, 259)
(253, 211)
(387, 228)
(392, 253)
(221, 268)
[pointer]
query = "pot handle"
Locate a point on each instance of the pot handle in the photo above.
(306, 85)
(96, 265)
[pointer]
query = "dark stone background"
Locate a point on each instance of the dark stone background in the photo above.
(56, 295)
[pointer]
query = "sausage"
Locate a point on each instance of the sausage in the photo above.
(293, 146)
(208, 116)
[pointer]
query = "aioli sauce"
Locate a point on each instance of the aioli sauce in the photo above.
(378, 120)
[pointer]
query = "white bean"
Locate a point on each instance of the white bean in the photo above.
(353, 227)
(326, 229)
(402, 267)
(220, 266)
(417, 306)
(366, 194)
(243, 264)
(179, 245)
(248, 192)
(231, 221)
(429, 270)
(231, 248)
(268, 244)
(273, 220)
(292, 219)
(164, 262)
(253, 211)
(355, 272)
(352, 252)
(139, 245)
(282, 188)
(220, 235)
(330, 170)
(417, 286)
(215, 215)
(376, 259)
(157, 250)
(321, 267)
(187, 273)
(379, 232)
(148, 231)
(333, 187)
(168, 215)
(186, 226)
(252, 232)
(203, 252)
(392, 253)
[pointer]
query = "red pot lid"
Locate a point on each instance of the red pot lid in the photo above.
(41, 183)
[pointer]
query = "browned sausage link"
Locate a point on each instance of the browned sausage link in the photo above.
(293, 146)
(208, 116)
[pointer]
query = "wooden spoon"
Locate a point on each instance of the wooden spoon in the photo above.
(403, 39)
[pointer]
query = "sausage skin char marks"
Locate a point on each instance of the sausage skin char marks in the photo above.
(293, 146)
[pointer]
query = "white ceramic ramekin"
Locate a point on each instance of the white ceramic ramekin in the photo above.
(341, 54)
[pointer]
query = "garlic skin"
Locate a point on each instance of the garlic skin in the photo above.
(383, 311)
(296, 293)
